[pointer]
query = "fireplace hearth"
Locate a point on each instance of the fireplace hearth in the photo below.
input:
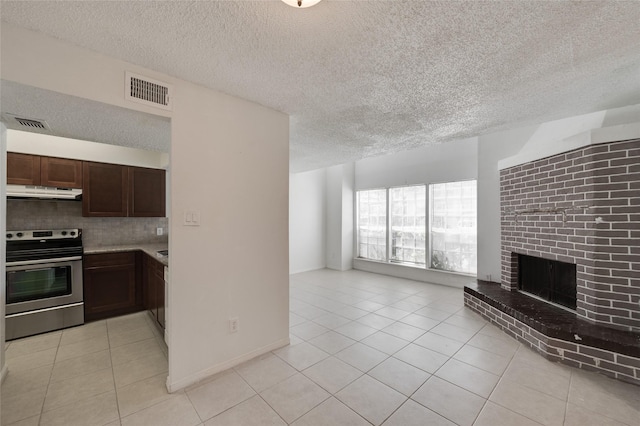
(570, 232)
(557, 334)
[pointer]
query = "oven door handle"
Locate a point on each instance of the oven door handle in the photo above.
(41, 261)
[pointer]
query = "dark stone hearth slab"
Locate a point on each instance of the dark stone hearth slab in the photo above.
(555, 322)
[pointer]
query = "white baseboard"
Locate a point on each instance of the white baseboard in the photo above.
(201, 375)
(433, 276)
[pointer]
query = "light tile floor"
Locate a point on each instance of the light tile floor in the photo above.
(365, 349)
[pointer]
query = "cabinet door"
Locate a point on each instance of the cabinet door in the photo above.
(146, 192)
(61, 172)
(23, 169)
(104, 190)
(110, 285)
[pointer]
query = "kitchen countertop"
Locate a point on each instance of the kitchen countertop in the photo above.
(150, 249)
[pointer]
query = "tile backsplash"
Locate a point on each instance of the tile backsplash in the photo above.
(96, 231)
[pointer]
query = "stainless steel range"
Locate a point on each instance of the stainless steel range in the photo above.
(44, 281)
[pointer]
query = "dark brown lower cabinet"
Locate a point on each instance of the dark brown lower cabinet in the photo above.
(112, 285)
(153, 272)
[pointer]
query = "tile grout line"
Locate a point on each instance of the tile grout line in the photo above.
(408, 342)
(513, 360)
(258, 393)
(566, 405)
(450, 358)
(113, 373)
(498, 382)
(520, 345)
(46, 392)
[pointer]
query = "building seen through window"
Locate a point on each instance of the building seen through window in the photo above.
(408, 220)
(392, 225)
(372, 224)
(453, 233)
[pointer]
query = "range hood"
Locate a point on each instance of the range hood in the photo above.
(43, 192)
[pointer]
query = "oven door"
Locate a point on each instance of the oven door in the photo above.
(40, 284)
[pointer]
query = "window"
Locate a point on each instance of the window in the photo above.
(408, 224)
(392, 226)
(372, 224)
(453, 231)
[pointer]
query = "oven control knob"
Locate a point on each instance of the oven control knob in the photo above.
(64, 233)
(9, 235)
(19, 234)
(73, 233)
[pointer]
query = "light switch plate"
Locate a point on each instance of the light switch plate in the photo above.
(191, 218)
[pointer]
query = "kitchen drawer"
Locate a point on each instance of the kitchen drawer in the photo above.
(109, 259)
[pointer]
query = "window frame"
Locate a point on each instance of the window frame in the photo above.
(357, 228)
(430, 219)
(428, 206)
(390, 233)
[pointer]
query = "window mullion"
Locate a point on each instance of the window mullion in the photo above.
(388, 254)
(427, 225)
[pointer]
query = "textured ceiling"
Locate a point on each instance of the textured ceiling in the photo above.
(365, 78)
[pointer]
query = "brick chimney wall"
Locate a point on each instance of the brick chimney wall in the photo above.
(580, 207)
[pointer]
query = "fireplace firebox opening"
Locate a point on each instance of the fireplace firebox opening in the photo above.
(547, 279)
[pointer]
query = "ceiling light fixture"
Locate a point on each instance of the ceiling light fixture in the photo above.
(301, 3)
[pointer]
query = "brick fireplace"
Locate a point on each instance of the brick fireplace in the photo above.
(581, 208)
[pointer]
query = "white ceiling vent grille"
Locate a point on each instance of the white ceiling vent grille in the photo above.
(147, 91)
(30, 124)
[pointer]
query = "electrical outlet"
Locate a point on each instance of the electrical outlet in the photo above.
(159, 231)
(234, 325)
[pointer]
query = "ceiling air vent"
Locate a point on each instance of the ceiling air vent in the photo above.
(147, 91)
(26, 123)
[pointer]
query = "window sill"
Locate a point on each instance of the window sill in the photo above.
(414, 272)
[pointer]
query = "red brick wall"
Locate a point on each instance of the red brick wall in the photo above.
(604, 177)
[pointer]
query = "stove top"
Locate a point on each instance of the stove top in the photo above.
(43, 244)
(57, 234)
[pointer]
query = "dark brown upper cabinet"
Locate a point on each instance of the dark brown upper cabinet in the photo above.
(147, 192)
(60, 172)
(104, 190)
(111, 190)
(23, 169)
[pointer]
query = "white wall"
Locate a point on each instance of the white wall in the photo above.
(348, 194)
(491, 149)
(55, 146)
(234, 174)
(334, 217)
(236, 263)
(439, 163)
(340, 184)
(3, 245)
(567, 134)
(307, 221)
